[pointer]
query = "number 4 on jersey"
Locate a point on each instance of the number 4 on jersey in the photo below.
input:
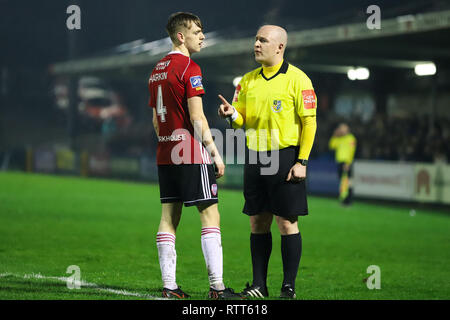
(160, 108)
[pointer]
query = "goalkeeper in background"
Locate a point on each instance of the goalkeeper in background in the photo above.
(343, 142)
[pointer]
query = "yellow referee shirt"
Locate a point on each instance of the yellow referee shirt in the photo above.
(273, 108)
(345, 148)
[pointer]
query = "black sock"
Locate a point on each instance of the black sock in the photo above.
(261, 248)
(349, 199)
(291, 252)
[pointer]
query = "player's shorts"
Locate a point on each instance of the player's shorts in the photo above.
(192, 184)
(272, 193)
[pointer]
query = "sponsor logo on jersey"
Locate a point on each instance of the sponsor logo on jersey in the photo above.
(309, 99)
(162, 65)
(196, 82)
(214, 189)
(276, 106)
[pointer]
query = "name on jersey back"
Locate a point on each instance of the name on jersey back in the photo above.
(162, 75)
(158, 77)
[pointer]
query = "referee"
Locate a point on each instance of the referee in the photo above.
(279, 99)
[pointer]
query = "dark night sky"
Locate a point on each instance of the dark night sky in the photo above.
(33, 33)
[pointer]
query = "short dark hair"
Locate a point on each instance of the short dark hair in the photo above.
(181, 19)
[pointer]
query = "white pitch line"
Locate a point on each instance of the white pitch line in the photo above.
(83, 284)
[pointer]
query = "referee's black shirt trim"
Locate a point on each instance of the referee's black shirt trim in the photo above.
(283, 69)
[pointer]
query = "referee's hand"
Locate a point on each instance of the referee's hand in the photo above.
(297, 173)
(225, 109)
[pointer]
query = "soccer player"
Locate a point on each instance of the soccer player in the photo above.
(277, 104)
(343, 142)
(185, 167)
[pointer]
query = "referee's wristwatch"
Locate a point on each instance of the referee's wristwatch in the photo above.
(303, 162)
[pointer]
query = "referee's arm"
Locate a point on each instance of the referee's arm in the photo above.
(226, 110)
(309, 126)
(332, 144)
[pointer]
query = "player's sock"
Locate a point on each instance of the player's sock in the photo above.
(291, 252)
(165, 242)
(212, 252)
(261, 248)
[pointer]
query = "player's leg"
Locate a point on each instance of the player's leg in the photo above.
(165, 243)
(211, 240)
(213, 253)
(171, 207)
(170, 217)
(199, 188)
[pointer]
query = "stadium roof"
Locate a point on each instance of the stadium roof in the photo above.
(401, 42)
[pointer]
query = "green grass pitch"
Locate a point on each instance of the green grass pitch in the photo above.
(108, 229)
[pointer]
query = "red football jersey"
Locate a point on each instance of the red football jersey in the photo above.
(174, 79)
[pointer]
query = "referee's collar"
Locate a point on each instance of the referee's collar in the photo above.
(283, 69)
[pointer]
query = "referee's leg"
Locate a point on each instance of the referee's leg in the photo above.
(260, 246)
(291, 249)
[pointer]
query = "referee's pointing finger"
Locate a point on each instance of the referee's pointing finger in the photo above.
(224, 101)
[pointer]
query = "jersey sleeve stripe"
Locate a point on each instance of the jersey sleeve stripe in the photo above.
(189, 62)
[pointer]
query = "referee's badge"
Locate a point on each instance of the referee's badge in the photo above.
(276, 106)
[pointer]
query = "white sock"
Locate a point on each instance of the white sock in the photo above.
(165, 242)
(212, 251)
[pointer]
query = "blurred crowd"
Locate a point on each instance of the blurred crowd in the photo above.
(413, 138)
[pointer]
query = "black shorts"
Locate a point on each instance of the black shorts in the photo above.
(341, 170)
(272, 193)
(192, 184)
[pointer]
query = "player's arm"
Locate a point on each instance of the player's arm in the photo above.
(201, 128)
(155, 122)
